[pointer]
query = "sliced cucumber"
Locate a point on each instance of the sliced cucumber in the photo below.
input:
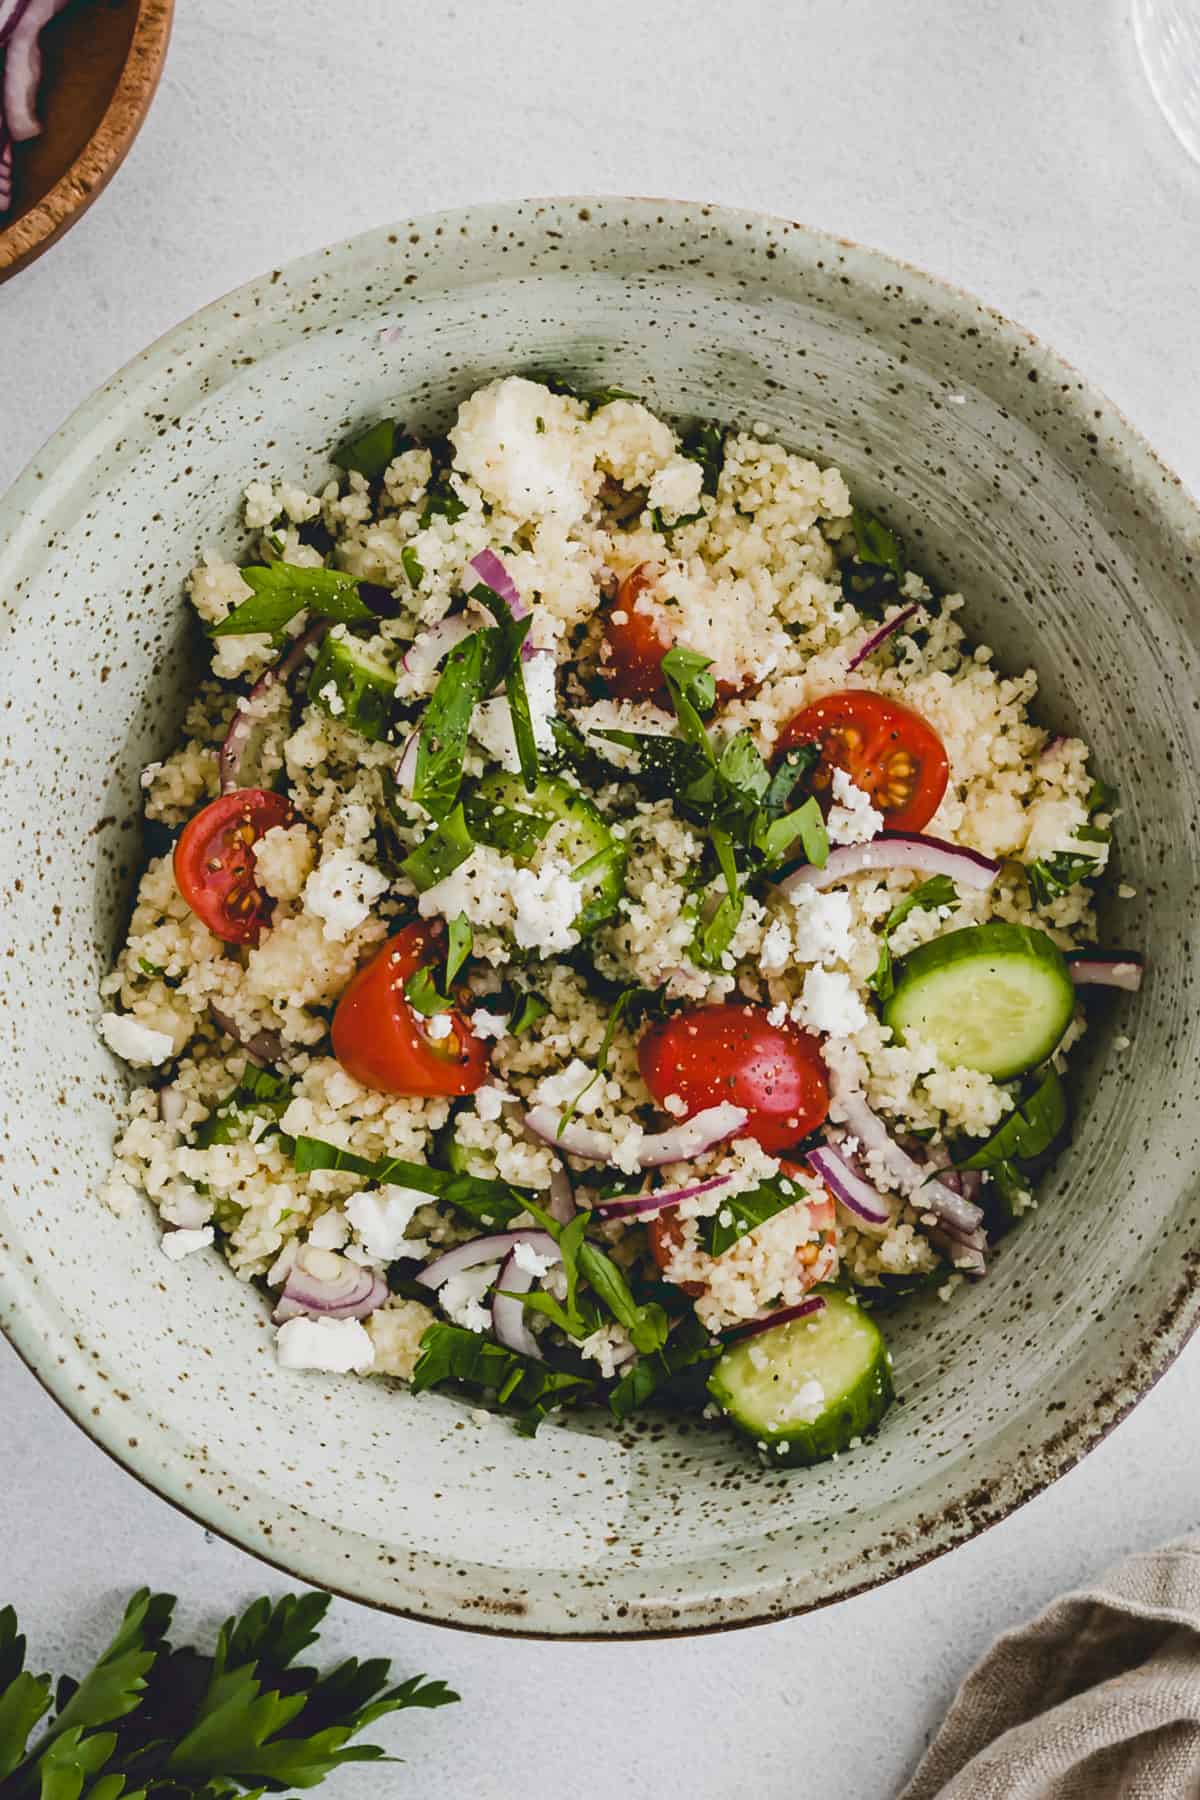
(996, 998)
(502, 812)
(807, 1389)
(352, 685)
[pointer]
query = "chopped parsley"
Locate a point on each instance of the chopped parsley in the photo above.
(281, 590)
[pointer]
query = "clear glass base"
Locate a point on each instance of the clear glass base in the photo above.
(1168, 41)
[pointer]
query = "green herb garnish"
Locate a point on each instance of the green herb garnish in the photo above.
(617, 1012)
(258, 1094)
(413, 568)
(281, 590)
(688, 1345)
(939, 890)
(527, 1388)
(441, 502)
(149, 1719)
(748, 1211)
(513, 633)
(470, 671)
(530, 1009)
(372, 450)
(872, 577)
(439, 854)
(421, 988)
(1050, 876)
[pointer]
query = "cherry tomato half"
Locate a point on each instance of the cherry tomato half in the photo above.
(384, 1043)
(733, 1052)
(214, 862)
(886, 749)
(636, 639)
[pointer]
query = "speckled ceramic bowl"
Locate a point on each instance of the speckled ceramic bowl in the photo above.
(1010, 478)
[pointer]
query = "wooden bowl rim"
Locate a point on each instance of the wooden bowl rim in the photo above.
(104, 151)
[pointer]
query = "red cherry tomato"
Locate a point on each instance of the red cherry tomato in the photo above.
(214, 862)
(384, 1043)
(886, 749)
(733, 1052)
(636, 639)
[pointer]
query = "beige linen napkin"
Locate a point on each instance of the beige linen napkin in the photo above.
(1097, 1699)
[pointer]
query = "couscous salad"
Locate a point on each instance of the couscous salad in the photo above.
(612, 935)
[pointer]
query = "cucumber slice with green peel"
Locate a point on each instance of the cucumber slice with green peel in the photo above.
(353, 686)
(502, 812)
(807, 1389)
(996, 998)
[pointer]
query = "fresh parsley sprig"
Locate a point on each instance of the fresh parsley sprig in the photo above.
(939, 890)
(281, 590)
(150, 1719)
(421, 988)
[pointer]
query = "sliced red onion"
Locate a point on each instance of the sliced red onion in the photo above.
(806, 1309)
(1110, 968)
(508, 1314)
(254, 709)
(264, 1049)
(967, 1258)
(406, 768)
(431, 647)
(351, 1293)
(561, 1205)
(865, 1204)
(897, 850)
(642, 1206)
(493, 1248)
(23, 68)
(10, 16)
(678, 1144)
(872, 643)
(492, 572)
(912, 1177)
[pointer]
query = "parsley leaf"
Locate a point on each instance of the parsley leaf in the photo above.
(372, 450)
(460, 939)
(441, 502)
(872, 576)
(412, 565)
(281, 590)
(421, 989)
(704, 443)
(806, 826)
(1050, 876)
(531, 1389)
(735, 1218)
(259, 1094)
(645, 1323)
(1028, 1131)
(470, 671)
(693, 692)
(688, 1345)
(939, 890)
(439, 854)
(513, 829)
(486, 1202)
(513, 633)
(530, 1009)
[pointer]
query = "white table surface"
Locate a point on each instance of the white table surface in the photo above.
(1005, 144)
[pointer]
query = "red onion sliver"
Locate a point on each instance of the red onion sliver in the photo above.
(263, 1049)
(508, 1314)
(351, 1294)
(250, 712)
(561, 1206)
(10, 17)
(573, 1139)
(680, 1143)
(804, 1310)
(493, 1248)
(1113, 968)
(492, 572)
(406, 768)
(897, 850)
(910, 1176)
(644, 1205)
(879, 636)
(865, 1204)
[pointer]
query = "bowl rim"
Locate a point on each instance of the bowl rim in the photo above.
(54, 1362)
(25, 239)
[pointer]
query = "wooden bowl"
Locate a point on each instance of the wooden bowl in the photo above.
(102, 60)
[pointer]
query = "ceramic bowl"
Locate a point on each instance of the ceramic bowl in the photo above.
(101, 64)
(1011, 479)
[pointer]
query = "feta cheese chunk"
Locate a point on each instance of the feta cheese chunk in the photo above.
(462, 1297)
(829, 1004)
(185, 1242)
(547, 902)
(524, 448)
(341, 1346)
(567, 1085)
(528, 1260)
(381, 1219)
(127, 1037)
(852, 818)
(341, 891)
(822, 925)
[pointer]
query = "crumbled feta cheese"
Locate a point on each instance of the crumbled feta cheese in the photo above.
(491, 1101)
(830, 1004)
(676, 1105)
(567, 1086)
(523, 447)
(381, 1217)
(852, 818)
(341, 891)
(676, 488)
(462, 1297)
(491, 722)
(485, 1024)
(331, 1231)
(547, 902)
(440, 1025)
(333, 700)
(127, 1037)
(608, 1346)
(182, 1242)
(776, 948)
(822, 925)
(341, 1346)
(528, 1260)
